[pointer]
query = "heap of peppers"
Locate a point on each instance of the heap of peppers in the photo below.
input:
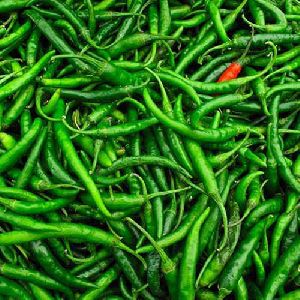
(149, 149)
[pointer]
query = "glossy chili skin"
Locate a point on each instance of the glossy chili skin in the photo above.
(153, 153)
(16, 272)
(26, 78)
(207, 42)
(18, 106)
(53, 164)
(281, 225)
(102, 282)
(283, 168)
(281, 269)
(214, 267)
(187, 273)
(129, 271)
(10, 158)
(11, 289)
(50, 265)
(236, 264)
(200, 135)
(13, 37)
(28, 169)
(70, 154)
(112, 73)
(25, 208)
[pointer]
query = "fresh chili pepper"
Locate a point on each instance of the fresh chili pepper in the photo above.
(233, 269)
(11, 289)
(7, 141)
(24, 208)
(241, 190)
(260, 269)
(32, 47)
(102, 282)
(95, 270)
(16, 109)
(11, 157)
(257, 12)
(168, 266)
(291, 295)
(278, 15)
(281, 225)
(17, 272)
(19, 194)
(180, 232)
(142, 160)
(211, 65)
(129, 271)
(271, 206)
(284, 170)
(207, 135)
(128, 23)
(133, 42)
(194, 21)
(173, 139)
(281, 58)
(153, 273)
(53, 165)
(40, 293)
(214, 14)
(219, 102)
(14, 85)
(281, 270)
(120, 172)
(86, 143)
(29, 166)
(53, 268)
(291, 66)
(210, 39)
(187, 273)
(214, 267)
(117, 130)
(13, 37)
(65, 142)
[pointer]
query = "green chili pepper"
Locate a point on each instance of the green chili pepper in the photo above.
(234, 268)
(17, 272)
(281, 270)
(71, 155)
(17, 83)
(187, 273)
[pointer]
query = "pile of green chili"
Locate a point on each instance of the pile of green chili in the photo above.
(149, 149)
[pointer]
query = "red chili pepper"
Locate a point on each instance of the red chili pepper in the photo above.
(235, 68)
(231, 72)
